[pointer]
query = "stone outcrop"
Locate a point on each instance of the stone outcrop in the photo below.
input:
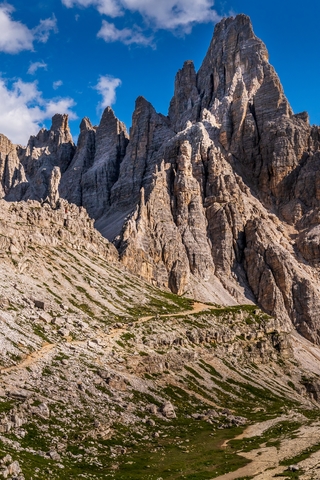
(12, 175)
(25, 225)
(71, 183)
(96, 164)
(45, 151)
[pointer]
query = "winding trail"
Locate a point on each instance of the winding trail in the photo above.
(37, 355)
(31, 358)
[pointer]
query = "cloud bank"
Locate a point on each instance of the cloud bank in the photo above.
(156, 14)
(16, 37)
(23, 109)
(128, 36)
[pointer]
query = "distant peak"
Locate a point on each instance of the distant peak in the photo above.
(85, 124)
(60, 122)
(241, 20)
(140, 101)
(110, 123)
(109, 112)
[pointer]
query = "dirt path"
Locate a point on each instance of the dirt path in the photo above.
(32, 358)
(197, 308)
(265, 461)
(46, 348)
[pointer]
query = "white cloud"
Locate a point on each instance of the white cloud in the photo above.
(57, 84)
(159, 14)
(35, 66)
(16, 37)
(59, 105)
(107, 86)
(128, 36)
(23, 109)
(172, 14)
(112, 8)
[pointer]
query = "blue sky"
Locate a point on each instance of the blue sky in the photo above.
(78, 56)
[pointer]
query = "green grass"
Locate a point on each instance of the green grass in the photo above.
(40, 333)
(85, 308)
(193, 372)
(47, 371)
(199, 459)
(6, 406)
(126, 337)
(209, 369)
(161, 303)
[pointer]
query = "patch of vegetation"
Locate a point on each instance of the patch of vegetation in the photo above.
(54, 294)
(6, 406)
(60, 356)
(209, 369)
(126, 337)
(82, 306)
(161, 303)
(194, 373)
(47, 371)
(89, 297)
(40, 333)
(143, 354)
(279, 430)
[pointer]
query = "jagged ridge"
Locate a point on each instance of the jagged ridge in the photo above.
(219, 200)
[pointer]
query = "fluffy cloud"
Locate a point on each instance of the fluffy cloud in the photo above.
(172, 14)
(35, 66)
(16, 37)
(107, 86)
(23, 109)
(128, 36)
(112, 8)
(159, 14)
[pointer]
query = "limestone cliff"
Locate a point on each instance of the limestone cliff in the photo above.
(219, 200)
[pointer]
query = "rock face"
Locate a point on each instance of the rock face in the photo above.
(96, 164)
(220, 199)
(49, 149)
(71, 183)
(28, 225)
(12, 175)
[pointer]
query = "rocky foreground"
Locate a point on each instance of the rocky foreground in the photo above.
(182, 340)
(105, 376)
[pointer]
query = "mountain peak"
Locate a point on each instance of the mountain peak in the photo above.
(230, 156)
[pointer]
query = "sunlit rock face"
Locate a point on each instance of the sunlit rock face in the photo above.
(220, 199)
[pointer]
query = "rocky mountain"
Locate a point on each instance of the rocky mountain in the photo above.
(159, 291)
(219, 200)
